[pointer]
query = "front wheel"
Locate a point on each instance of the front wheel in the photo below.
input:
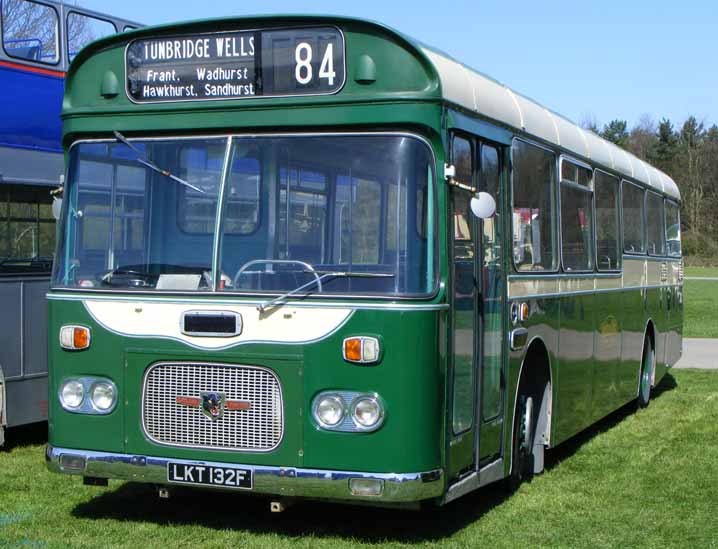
(647, 369)
(524, 425)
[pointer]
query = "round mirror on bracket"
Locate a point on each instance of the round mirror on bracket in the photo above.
(483, 205)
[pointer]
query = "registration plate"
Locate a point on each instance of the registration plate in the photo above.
(209, 475)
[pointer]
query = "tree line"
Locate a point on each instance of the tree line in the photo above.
(689, 154)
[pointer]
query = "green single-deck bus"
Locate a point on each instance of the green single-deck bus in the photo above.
(309, 257)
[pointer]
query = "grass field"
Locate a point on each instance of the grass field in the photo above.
(645, 478)
(701, 271)
(700, 304)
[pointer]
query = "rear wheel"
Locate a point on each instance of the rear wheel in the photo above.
(647, 369)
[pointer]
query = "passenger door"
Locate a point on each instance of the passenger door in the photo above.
(464, 317)
(477, 312)
(491, 309)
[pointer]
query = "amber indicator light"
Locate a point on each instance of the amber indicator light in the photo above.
(352, 349)
(81, 338)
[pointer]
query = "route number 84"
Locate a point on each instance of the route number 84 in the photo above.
(303, 71)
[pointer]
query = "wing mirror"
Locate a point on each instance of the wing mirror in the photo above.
(56, 207)
(483, 205)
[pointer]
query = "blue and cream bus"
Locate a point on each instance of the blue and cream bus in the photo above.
(39, 40)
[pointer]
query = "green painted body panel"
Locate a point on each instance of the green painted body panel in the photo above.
(409, 379)
(595, 346)
(607, 354)
(634, 326)
(490, 439)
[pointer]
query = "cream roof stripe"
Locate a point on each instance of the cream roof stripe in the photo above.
(555, 126)
(516, 104)
(484, 98)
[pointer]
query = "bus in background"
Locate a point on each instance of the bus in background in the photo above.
(39, 40)
(308, 256)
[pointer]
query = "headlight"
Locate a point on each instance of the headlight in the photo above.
(329, 410)
(72, 394)
(88, 395)
(348, 411)
(103, 395)
(367, 412)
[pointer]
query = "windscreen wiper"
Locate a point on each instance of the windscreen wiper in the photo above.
(151, 165)
(262, 307)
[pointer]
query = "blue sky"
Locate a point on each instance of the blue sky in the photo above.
(600, 58)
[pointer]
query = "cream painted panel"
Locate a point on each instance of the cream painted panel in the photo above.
(674, 268)
(653, 272)
(493, 100)
(670, 187)
(634, 272)
(455, 82)
(575, 285)
(477, 92)
(572, 137)
(608, 283)
(622, 161)
(642, 172)
(598, 151)
(536, 286)
(163, 320)
(537, 120)
(656, 177)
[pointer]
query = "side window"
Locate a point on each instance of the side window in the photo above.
(29, 31)
(608, 241)
(576, 217)
(489, 176)
(422, 203)
(673, 229)
(83, 29)
(534, 208)
(634, 240)
(655, 230)
(461, 157)
(27, 230)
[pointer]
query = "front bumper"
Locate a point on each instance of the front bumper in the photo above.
(280, 481)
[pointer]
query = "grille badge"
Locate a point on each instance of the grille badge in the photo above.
(213, 404)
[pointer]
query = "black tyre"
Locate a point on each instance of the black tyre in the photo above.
(648, 367)
(524, 427)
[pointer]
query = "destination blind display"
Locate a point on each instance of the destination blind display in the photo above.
(236, 65)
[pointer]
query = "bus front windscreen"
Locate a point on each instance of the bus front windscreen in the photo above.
(256, 215)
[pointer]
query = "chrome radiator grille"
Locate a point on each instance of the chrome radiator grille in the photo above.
(172, 412)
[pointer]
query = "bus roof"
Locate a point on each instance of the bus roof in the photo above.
(462, 86)
(489, 98)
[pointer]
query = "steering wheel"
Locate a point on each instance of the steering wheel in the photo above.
(130, 277)
(305, 266)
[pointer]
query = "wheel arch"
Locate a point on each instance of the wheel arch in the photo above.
(535, 349)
